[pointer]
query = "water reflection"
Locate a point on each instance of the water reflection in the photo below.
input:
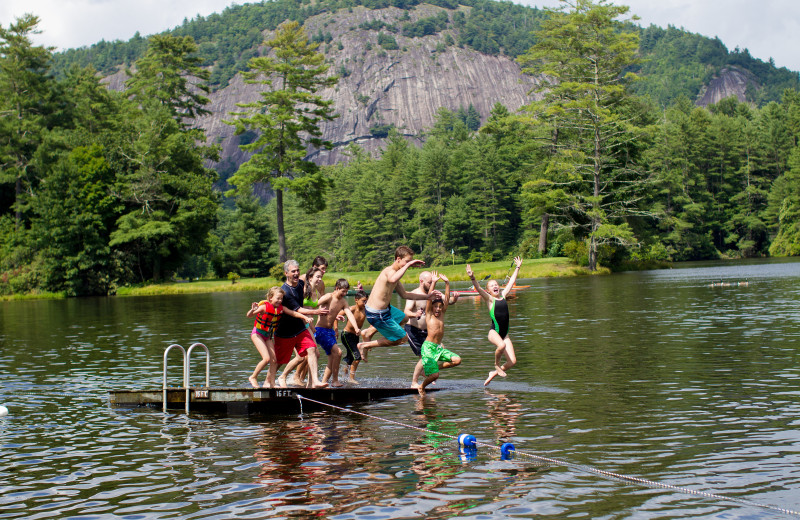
(652, 374)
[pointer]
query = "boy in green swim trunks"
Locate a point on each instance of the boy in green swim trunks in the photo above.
(434, 356)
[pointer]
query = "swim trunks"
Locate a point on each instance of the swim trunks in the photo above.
(326, 338)
(432, 354)
(387, 321)
(301, 343)
(499, 313)
(350, 343)
(416, 337)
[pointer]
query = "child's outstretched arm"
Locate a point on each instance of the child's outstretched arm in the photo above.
(400, 272)
(513, 279)
(255, 308)
(295, 314)
(446, 292)
(477, 286)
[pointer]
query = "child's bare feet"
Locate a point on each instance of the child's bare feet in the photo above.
(253, 381)
(492, 375)
(363, 351)
(352, 381)
(421, 390)
(320, 385)
(337, 384)
(282, 382)
(500, 371)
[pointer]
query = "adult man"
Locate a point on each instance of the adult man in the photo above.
(416, 328)
(292, 333)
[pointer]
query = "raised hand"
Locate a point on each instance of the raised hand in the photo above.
(469, 272)
(518, 261)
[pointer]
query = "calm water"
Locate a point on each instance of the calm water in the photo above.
(655, 374)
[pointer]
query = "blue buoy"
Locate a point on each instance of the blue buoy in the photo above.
(507, 451)
(466, 440)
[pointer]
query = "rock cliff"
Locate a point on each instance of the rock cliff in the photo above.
(731, 81)
(403, 87)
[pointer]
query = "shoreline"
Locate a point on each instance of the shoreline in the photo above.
(535, 268)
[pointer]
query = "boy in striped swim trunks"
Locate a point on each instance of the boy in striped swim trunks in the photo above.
(380, 314)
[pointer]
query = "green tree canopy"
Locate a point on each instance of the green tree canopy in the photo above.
(287, 119)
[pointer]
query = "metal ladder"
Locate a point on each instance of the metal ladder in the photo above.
(186, 367)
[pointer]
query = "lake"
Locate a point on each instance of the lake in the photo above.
(688, 377)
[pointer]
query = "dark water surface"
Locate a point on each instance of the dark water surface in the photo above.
(658, 374)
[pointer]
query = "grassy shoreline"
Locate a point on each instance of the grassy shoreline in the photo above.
(538, 268)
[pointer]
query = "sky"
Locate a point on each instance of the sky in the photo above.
(768, 28)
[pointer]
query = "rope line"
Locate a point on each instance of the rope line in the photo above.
(581, 467)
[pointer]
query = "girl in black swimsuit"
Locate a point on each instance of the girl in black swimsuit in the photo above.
(498, 310)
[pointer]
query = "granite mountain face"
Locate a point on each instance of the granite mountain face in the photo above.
(389, 79)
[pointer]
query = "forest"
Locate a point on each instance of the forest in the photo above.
(100, 189)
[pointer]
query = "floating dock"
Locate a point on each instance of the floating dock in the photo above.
(247, 401)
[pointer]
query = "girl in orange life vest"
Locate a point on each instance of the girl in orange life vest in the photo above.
(268, 313)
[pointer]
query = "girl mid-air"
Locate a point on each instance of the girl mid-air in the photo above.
(498, 310)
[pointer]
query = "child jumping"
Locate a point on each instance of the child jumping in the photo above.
(267, 313)
(498, 310)
(434, 356)
(380, 314)
(352, 356)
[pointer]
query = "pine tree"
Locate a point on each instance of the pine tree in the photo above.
(287, 119)
(593, 178)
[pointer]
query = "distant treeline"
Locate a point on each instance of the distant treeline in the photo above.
(99, 188)
(676, 63)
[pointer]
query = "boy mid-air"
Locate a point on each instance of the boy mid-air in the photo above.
(434, 356)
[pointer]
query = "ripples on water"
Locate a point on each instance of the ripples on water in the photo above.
(652, 374)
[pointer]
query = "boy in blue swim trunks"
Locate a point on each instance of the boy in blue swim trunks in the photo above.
(325, 334)
(380, 314)
(434, 356)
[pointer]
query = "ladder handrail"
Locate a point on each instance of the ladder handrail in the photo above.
(208, 362)
(185, 375)
(188, 365)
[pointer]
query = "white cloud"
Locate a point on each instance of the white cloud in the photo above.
(76, 23)
(768, 28)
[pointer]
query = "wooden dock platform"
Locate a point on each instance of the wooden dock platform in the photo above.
(247, 401)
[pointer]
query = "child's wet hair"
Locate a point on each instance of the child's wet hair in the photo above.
(342, 283)
(273, 291)
(361, 294)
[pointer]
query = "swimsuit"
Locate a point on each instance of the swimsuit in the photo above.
(416, 337)
(387, 322)
(432, 354)
(499, 313)
(350, 342)
(326, 338)
(267, 321)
